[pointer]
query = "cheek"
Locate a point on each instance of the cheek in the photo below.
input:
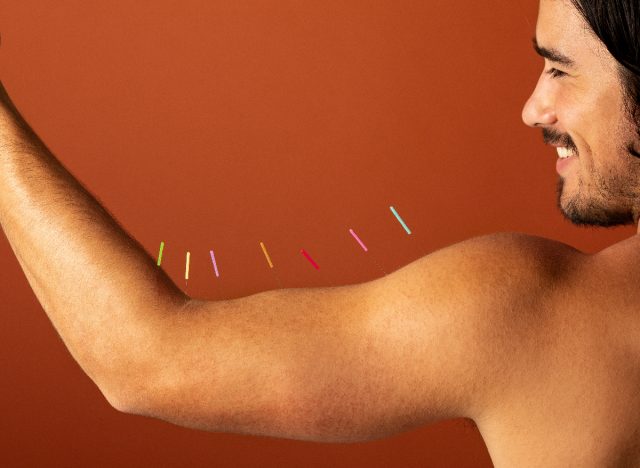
(609, 123)
(596, 120)
(608, 156)
(595, 124)
(579, 120)
(571, 110)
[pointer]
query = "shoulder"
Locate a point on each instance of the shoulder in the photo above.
(482, 307)
(495, 273)
(491, 268)
(509, 248)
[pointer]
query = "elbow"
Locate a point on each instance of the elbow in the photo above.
(127, 391)
(128, 379)
(118, 401)
(125, 399)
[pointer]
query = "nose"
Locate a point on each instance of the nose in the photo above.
(539, 110)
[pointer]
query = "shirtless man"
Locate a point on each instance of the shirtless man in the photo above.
(536, 342)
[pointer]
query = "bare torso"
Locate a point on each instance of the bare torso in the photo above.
(577, 402)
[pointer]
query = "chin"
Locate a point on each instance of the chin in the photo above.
(589, 220)
(582, 211)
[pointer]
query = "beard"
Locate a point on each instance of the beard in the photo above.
(599, 204)
(583, 210)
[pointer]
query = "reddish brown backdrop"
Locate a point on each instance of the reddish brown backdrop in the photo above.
(220, 124)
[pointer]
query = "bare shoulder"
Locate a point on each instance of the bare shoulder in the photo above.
(492, 270)
(484, 306)
(511, 248)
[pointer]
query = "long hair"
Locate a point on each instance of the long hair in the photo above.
(617, 25)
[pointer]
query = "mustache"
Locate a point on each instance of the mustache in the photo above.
(552, 137)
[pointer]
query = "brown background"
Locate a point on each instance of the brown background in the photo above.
(220, 124)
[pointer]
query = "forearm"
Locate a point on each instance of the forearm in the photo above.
(102, 292)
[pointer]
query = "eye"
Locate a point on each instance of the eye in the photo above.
(555, 73)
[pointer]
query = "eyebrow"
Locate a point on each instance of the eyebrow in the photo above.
(552, 54)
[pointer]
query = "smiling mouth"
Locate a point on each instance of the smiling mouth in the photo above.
(565, 152)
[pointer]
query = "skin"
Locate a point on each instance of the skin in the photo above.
(583, 102)
(533, 340)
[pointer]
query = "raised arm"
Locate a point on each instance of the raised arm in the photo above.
(442, 337)
(99, 304)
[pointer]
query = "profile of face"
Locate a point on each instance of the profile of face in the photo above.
(580, 105)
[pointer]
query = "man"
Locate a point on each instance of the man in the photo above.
(536, 342)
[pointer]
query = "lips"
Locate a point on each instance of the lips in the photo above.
(565, 157)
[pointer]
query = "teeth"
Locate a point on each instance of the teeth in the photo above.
(564, 152)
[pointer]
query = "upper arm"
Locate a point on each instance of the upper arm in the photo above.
(439, 338)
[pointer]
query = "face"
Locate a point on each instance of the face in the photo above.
(579, 105)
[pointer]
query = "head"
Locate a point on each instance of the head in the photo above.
(587, 104)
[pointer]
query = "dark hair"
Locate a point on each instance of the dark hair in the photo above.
(617, 25)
